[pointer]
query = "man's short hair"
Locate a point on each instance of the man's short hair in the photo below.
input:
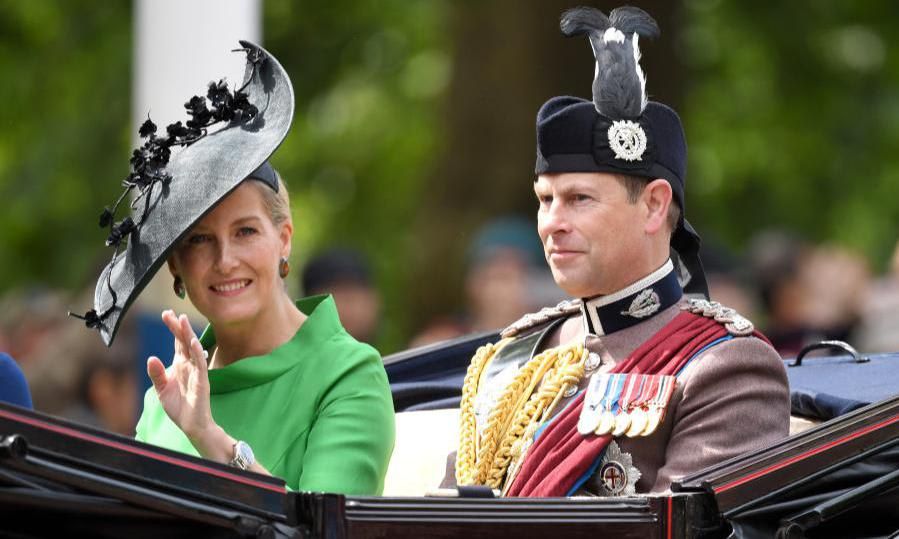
(635, 185)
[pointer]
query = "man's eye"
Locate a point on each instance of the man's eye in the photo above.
(545, 200)
(578, 197)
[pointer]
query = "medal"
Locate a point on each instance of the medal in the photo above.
(590, 413)
(622, 423)
(638, 414)
(623, 419)
(659, 404)
(638, 423)
(609, 401)
(606, 423)
(653, 418)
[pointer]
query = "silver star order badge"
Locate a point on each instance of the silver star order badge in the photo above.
(646, 303)
(617, 474)
(627, 139)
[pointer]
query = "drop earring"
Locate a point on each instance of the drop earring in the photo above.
(178, 287)
(283, 267)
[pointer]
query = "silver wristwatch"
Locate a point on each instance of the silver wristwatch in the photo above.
(243, 456)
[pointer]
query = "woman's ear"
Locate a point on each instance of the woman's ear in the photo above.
(285, 234)
(170, 262)
(656, 198)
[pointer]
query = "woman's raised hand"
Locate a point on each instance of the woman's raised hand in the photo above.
(183, 388)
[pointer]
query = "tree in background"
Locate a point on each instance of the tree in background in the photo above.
(792, 115)
(415, 122)
(64, 135)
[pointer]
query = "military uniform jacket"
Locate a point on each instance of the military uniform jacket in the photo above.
(730, 398)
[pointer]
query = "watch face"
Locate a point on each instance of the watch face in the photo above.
(243, 455)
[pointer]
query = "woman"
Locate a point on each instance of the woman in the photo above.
(270, 386)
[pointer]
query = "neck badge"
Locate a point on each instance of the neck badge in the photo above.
(645, 304)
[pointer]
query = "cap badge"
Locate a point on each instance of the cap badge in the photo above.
(646, 303)
(627, 139)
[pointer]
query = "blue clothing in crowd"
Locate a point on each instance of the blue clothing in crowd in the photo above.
(13, 386)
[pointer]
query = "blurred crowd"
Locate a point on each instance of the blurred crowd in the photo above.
(798, 292)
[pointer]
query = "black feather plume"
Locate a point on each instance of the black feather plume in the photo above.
(633, 20)
(619, 85)
(583, 20)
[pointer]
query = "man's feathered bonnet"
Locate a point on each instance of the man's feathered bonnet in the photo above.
(620, 131)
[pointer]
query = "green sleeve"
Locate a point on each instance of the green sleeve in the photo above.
(140, 431)
(351, 440)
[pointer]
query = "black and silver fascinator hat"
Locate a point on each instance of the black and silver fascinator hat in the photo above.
(620, 131)
(178, 176)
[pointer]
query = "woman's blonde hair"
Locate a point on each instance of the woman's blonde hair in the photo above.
(277, 204)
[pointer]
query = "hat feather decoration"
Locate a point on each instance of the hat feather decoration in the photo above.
(619, 85)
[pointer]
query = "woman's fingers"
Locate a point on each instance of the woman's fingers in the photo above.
(156, 372)
(171, 321)
(198, 355)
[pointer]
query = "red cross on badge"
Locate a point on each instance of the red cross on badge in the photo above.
(613, 477)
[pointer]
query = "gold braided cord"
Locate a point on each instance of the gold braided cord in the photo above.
(468, 437)
(570, 377)
(567, 369)
(520, 408)
(511, 399)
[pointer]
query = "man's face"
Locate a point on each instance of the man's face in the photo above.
(593, 237)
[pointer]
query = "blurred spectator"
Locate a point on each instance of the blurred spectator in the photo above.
(810, 293)
(345, 274)
(729, 279)
(27, 318)
(13, 387)
(878, 329)
(73, 375)
(506, 277)
(107, 394)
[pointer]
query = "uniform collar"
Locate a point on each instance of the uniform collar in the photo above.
(633, 304)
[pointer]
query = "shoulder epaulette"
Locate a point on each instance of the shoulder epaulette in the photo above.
(541, 317)
(736, 324)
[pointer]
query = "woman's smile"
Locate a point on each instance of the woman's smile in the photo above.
(231, 288)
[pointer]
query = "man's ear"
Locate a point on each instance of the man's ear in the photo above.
(656, 199)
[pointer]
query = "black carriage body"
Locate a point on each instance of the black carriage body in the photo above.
(838, 479)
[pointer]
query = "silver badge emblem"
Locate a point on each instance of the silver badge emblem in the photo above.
(646, 303)
(593, 362)
(617, 474)
(627, 139)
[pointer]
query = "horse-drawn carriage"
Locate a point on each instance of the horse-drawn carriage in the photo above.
(837, 477)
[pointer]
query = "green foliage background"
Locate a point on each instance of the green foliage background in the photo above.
(791, 109)
(792, 117)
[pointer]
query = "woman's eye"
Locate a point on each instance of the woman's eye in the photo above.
(246, 231)
(197, 239)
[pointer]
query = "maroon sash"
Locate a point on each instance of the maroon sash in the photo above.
(561, 455)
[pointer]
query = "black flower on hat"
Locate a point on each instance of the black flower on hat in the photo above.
(178, 176)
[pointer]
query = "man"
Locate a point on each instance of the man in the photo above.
(633, 385)
(345, 274)
(13, 386)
